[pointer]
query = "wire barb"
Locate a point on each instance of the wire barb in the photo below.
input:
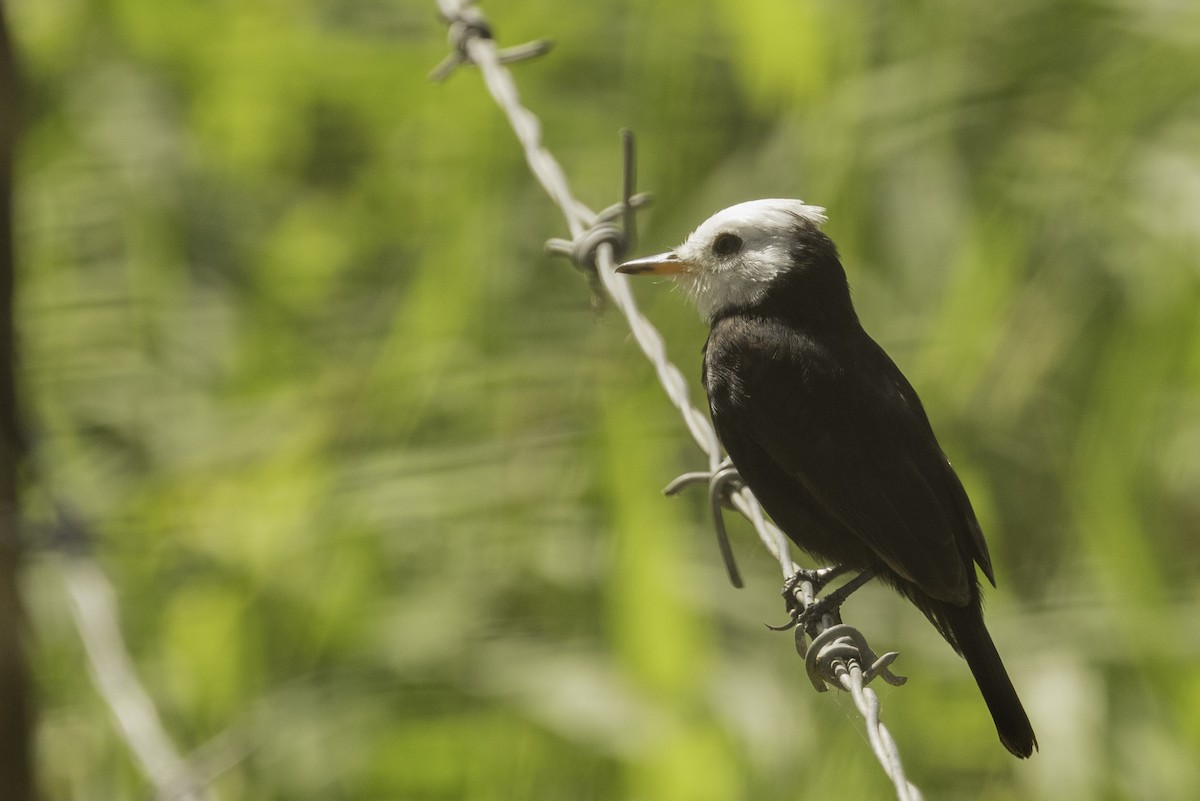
(584, 249)
(466, 23)
(844, 643)
(832, 639)
(722, 483)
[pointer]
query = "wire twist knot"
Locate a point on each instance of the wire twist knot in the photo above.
(843, 644)
(467, 23)
(722, 483)
(604, 230)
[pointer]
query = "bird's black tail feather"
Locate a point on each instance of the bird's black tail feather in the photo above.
(971, 638)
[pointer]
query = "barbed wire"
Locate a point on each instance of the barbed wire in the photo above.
(96, 613)
(110, 665)
(838, 652)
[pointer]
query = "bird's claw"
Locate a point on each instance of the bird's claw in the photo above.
(805, 609)
(812, 615)
(793, 597)
(805, 618)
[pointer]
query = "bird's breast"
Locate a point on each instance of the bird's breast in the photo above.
(745, 355)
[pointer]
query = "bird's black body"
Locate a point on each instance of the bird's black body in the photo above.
(834, 442)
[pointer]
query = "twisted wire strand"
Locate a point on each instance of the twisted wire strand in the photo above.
(481, 50)
(94, 609)
(850, 674)
(96, 613)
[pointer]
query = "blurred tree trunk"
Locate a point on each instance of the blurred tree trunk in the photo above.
(16, 703)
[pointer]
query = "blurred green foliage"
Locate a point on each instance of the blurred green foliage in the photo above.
(380, 494)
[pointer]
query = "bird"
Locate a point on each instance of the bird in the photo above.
(827, 432)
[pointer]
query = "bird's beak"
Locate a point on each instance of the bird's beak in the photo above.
(662, 264)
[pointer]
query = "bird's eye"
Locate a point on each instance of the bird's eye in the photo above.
(726, 244)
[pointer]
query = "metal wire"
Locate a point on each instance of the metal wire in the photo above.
(471, 38)
(94, 608)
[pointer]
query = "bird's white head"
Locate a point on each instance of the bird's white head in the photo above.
(733, 257)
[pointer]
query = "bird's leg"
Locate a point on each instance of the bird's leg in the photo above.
(722, 484)
(817, 578)
(811, 615)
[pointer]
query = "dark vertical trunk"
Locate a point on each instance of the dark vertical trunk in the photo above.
(16, 695)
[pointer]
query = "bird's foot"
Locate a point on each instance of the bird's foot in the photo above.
(723, 483)
(792, 600)
(808, 616)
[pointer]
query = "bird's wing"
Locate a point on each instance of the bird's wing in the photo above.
(857, 443)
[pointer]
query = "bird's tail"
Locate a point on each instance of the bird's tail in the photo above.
(971, 637)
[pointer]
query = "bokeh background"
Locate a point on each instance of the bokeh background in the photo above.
(379, 492)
